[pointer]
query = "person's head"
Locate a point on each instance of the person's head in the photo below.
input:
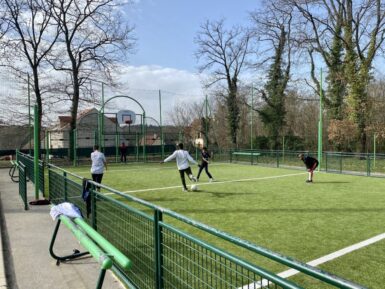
(123, 144)
(204, 149)
(301, 156)
(180, 146)
(96, 147)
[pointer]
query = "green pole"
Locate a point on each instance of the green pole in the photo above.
(320, 126)
(36, 151)
(251, 116)
(29, 115)
(144, 136)
(160, 121)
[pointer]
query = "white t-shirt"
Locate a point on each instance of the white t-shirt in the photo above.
(98, 160)
(182, 159)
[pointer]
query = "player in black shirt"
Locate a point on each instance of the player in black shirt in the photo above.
(205, 164)
(311, 164)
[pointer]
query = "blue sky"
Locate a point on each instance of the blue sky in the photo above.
(164, 58)
(166, 28)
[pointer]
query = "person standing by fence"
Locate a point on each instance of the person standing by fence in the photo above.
(98, 164)
(123, 152)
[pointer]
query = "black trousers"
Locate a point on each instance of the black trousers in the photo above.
(188, 172)
(205, 166)
(123, 158)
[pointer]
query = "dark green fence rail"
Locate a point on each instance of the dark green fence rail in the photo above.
(164, 252)
(28, 162)
(23, 184)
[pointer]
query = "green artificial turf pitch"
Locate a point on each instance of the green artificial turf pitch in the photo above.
(276, 209)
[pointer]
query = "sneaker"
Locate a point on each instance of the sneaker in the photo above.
(309, 181)
(184, 190)
(194, 179)
(211, 180)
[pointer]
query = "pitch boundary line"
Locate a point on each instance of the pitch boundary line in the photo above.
(139, 168)
(321, 260)
(212, 183)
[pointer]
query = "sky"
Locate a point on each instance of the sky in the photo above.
(164, 58)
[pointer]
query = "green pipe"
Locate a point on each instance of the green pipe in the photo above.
(110, 249)
(104, 260)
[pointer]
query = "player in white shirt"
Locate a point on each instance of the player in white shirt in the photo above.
(98, 164)
(183, 160)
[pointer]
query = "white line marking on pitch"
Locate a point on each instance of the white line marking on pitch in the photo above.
(319, 261)
(212, 183)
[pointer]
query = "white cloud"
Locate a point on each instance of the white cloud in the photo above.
(144, 82)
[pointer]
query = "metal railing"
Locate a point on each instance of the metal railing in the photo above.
(28, 162)
(164, 252)
(23, 184)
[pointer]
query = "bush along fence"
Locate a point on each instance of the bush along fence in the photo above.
(169, 250)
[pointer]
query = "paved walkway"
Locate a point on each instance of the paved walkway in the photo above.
(25, 238)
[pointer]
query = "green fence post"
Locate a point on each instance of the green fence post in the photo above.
(65, 186)
(158, 249)
(340, 163)
(93, 207)
(368, 164)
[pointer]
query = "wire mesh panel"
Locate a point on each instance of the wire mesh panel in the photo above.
(190, 263)
(132, 232)
(23, 185)
(27, 161)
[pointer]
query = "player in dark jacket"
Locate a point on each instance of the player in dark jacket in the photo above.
(311, 164)
(205, 164)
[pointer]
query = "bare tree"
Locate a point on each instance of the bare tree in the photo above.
(29, 37)
(223, 54)
(94, 38)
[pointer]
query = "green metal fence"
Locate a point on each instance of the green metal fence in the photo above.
(28, 162)
(23, 184)
(335, 162)
(164, 252)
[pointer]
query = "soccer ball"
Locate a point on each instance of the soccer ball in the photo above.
(194, 188)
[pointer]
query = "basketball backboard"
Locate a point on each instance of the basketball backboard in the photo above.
(126, 117)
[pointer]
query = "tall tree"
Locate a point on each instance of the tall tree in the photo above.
(30, 36)
(94, 37)
(273, 30)
(223, 53)
(360, 29)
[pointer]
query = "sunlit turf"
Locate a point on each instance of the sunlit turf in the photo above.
(276, 209)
